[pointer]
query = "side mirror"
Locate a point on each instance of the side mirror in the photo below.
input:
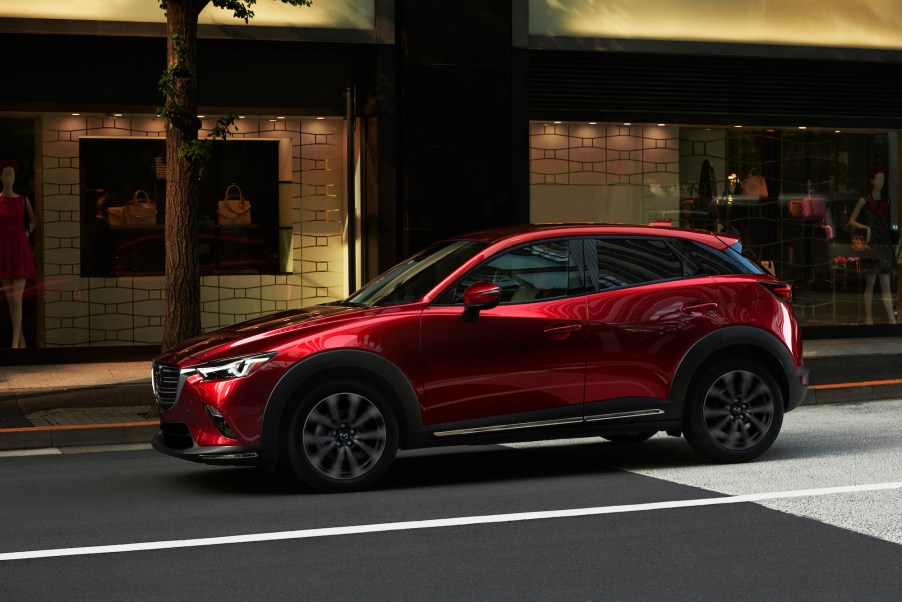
(479, 296)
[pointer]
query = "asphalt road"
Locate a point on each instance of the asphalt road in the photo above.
(817, 518)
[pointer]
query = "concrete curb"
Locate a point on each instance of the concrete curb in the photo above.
(38, 437)
(29, 401)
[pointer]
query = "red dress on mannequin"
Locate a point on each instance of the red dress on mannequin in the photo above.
(16, 259)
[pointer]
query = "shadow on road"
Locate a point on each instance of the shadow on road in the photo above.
(465, 465)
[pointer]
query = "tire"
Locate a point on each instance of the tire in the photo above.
(634, 437)
(734, 413)
(343, 436)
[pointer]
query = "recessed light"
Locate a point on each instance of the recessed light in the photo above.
(280, 117)
(837, 131)
(557, 123)
(320, 117)
(737, 126)
(660, 125)
(117, 114)
(201, 116)
(627, 123)
(803, 127)
(593, 123)
(76, 114)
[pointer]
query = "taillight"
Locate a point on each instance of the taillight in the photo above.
(780, 290)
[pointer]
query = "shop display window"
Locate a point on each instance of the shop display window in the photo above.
(792, 195)
(123, 204)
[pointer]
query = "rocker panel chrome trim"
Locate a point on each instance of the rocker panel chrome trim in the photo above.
(507, 427)
(619, 415)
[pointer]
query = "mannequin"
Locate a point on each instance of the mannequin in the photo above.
(873, 215)
(16, 259)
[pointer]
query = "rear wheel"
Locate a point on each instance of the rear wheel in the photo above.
(734, 413)
(342, 437)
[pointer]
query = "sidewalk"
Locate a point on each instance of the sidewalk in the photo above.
(71, 405)
(75, 405)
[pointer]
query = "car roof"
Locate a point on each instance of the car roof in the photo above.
(528, 232)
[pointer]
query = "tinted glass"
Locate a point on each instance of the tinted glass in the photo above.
(699, 260)
(409, 281)
(631, 261)
(540, 271)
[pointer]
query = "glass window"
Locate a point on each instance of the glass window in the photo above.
(123, 182)
(797, 199)
(543, 271)
(699, 260)
(409, 281)
(631, 261)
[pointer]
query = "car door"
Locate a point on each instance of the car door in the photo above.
(521, 361)
(646, 315)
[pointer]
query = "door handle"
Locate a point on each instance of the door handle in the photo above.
(562, 332)
(699, 309)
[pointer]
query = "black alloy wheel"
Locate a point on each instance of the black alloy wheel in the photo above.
(342, 437)
(734, 413)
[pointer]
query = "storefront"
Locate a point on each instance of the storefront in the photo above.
(272, 235)
(791, 194)
(280, 199)
(371, 129)
(783, 130)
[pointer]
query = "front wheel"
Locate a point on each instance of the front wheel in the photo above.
(342, 437)
(734, 413)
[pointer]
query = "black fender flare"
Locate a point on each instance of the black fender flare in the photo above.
(709, 345)
(283, 394)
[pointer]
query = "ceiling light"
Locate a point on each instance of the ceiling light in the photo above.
(76, 114)
(593, 122)
(737, 126)
(201, 116)
(803, 127)
(660, 125)
(320, 117)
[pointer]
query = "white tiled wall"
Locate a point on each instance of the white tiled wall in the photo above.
(603, 172)
(81, 311)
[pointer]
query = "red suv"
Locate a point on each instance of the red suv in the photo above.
(530, 332)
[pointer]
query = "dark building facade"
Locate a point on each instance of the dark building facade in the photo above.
(387, 125)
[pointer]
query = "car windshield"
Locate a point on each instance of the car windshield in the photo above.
(410, 280)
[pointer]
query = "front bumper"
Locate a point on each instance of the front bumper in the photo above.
(229, 455)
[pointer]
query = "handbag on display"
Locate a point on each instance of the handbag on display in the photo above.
(115, 217)
(233, 211)
(814, 206)
(140, 210)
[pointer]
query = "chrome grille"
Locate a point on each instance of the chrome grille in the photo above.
(165, 385)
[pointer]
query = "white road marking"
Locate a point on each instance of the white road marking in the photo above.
(442, 522)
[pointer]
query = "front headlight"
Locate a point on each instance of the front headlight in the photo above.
(238, 367)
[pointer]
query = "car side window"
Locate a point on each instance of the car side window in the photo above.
(699, 260)
(631, 261)
(541, 271)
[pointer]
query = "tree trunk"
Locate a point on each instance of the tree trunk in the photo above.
(182, 304)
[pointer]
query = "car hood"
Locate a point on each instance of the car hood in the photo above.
(255, 335)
